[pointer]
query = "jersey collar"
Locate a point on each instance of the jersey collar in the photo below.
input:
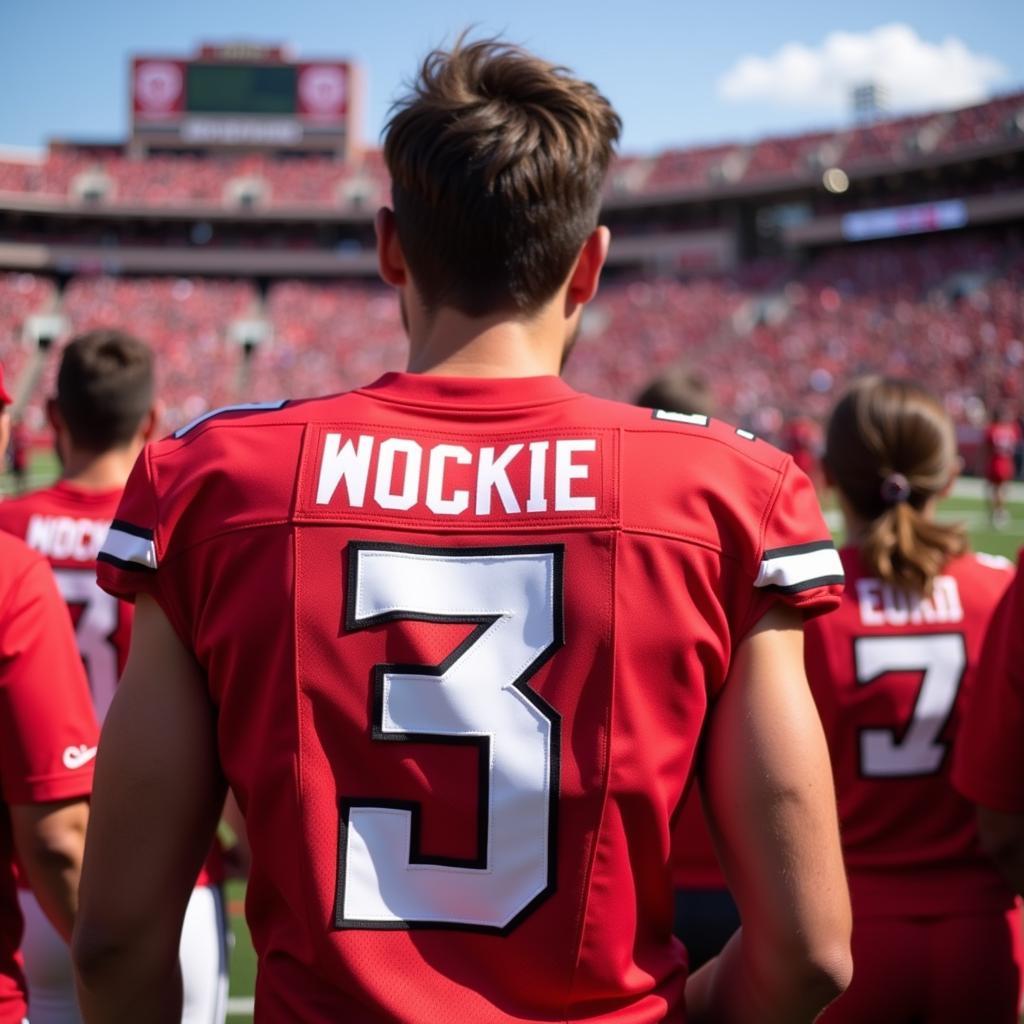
(492, 392)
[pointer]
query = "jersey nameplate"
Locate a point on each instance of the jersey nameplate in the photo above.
(358, 470)
(64, 537)
(881, 604)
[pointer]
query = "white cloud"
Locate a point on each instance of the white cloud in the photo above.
(917, 74)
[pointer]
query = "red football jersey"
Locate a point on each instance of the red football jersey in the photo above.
(1001, 439)
(462, 635)
(68, 524)
(891, 673)
(48, 732)
(694, 861)
(989, 763)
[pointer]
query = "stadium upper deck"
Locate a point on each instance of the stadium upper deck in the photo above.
(71, 174)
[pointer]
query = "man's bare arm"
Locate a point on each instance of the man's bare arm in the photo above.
(50, 839)
(157, 797)
(771, 806)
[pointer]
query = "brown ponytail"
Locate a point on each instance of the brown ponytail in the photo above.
(890, 448)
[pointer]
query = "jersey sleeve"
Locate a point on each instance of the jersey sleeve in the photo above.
(48, 730)
(988, 763)
(127, 563)
(798, 564)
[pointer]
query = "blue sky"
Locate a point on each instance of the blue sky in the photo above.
(678, 72)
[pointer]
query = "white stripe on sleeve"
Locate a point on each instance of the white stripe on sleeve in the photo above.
(800, 567)
(127, 547)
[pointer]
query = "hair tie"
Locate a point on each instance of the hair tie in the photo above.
(895, 489)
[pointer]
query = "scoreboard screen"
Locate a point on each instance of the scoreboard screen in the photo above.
(241, 89)
(242, 96)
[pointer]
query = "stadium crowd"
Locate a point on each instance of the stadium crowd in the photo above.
(773, 341)
(321, 181)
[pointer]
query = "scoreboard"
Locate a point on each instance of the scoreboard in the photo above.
(243, 96)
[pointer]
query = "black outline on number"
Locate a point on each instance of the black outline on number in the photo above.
(899, 736)
(482, 743)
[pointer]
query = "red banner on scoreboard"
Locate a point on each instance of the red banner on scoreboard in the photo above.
(158, 88)
(323, 91)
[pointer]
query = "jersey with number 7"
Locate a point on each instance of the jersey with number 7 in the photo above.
(462, 636)
(890, 672)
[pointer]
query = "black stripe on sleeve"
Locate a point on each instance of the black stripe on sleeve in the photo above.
(135, 531)
(798, 549)
(120, 563)
(797, 588)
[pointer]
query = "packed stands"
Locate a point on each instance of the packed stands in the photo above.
(317, 181)
(774, 340)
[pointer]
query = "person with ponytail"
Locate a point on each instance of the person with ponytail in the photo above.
(936, 936)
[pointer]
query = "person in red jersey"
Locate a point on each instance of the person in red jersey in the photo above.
(48, 737)
(1002, 436)
(103, 413)
(453, 639)
(801, 437)
(705, 912)
(936, 930)
(987, 765)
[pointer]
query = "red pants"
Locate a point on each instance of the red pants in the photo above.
(939, 970)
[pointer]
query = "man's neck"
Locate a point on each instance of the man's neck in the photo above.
(106, 471)
(455, 345)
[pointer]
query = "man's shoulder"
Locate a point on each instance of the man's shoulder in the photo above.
(16, 558)
(245, 436)
(700, 463)
(16, 511)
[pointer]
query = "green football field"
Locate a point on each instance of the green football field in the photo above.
(967, 505)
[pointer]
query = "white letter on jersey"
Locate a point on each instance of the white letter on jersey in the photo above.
(566, 471)
(436, 501)
(344, 463)
(491, 473)
(537, 502)
(383, 491)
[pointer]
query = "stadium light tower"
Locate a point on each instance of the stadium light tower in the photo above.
(870, 102)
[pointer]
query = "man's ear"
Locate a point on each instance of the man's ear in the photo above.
(150, 422)
(390, 259)
(53, 416)
(586, 274)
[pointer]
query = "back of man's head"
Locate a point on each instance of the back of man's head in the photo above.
(105, 389)
(497, 162)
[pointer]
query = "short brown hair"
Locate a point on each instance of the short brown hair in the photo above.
(105, 388)
(678, 389)
(890, 447)
(497, 161)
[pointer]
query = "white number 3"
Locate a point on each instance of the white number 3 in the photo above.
(477, 695)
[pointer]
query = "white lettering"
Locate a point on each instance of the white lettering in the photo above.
(870, 599)
(77, 540)
(404, 474)
(882, 604)
(537, 502)
(566, 471)
(490, 474)
(383, 492)
(344, 463)
(40, 534)
(436, 501)
(894, 602)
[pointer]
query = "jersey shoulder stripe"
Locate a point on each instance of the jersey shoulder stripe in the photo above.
(240, 407)
(129, 547)
(791, 570)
